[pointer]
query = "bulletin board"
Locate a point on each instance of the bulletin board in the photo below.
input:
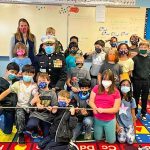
(120, 22)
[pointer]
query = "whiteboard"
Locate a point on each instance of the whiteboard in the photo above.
(120, 22)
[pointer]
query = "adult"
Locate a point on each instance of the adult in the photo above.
(24, 35)
(105, 100)
(51, 62)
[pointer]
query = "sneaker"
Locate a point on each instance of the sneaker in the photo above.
(21, 139)
(143, 117)
(42, 144)
(72, 146)
(87, 136)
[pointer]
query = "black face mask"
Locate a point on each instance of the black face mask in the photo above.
(79, 64)
(73, 51)
(98, 50)
(134, 42)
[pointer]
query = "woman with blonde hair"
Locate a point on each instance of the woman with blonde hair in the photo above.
(24, 36)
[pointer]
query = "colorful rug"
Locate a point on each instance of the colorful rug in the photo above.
(9, 142)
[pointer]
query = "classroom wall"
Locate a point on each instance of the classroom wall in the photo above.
(120, 22)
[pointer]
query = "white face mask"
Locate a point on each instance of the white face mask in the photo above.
(106, 83)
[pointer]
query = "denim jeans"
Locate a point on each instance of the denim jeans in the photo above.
(86, 124)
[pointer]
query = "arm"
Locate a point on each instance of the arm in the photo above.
(92, 102)
(12, 45)
(112, 110)
(4, 94)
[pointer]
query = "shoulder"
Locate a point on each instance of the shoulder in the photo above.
(95, 89)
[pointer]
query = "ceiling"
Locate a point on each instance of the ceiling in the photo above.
(128, 3)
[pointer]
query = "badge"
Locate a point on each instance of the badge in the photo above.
(57, 63)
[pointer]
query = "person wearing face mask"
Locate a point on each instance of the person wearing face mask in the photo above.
(125, 61)
(20, 52)
(134, 50)
(98, 57)
(126, 119)
(71, 58)
(10, 100)
(75, 74)
(105, 100)
(51, 62)
(85, 119)
(113, 42)
(41, 118)
(140, 77)
(25, 89)
(111, 62)
(24, 36)
(62, 126)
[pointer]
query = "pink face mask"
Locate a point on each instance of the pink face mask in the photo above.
(23, 30)
(20, 52)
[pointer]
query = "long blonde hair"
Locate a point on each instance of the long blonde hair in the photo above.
(30, 36)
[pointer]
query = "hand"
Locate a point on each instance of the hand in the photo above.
(100, 110)
(74, 89)
(35, 99)
(39, 106)
(49, 108)
(72, 110)
(119, 128)
(54, 109)
(84, 112)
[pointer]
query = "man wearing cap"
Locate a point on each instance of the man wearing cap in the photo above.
(51, 62)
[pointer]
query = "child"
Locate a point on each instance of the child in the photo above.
(77, 73)
(81, 100)
(111, 62)
(126, 116)
(124, 60)
(70, 59)
(11, 99)
(25, 90)
(134, 50)
(20, 51)
(48, 98)
(141, 74)
(98, 57)
(62, 126)
(105, 101)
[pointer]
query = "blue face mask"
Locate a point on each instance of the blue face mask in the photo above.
(125, 89)
(49, 49)
(42, 85)
(113, 44)
(27, 78)
(11, 76)
(84, 95)
(62, 103)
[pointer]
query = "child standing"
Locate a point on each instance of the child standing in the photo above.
(98, 57)
(111, 62)
(141, 74)
(11, 99)
(25, 90)
(71, 59)
(48, 98)
(105, 101)
(20, 51)
(85, 119)
(126, 62)
(126, 116)
(62, 126)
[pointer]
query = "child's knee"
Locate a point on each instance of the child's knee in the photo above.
(88, 121)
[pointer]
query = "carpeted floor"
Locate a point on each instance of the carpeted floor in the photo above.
(9, 142)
